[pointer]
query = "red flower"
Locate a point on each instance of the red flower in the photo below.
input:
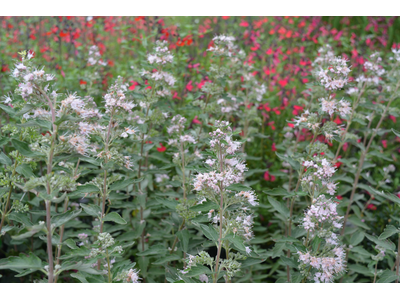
(384, 143)
(133, 86)
(189, 86)
(337, 120)
(161, 148)
(283, 82)
(244, 24)
(269, 51)
(5, 68)
(371, 207)
(82, 82)
(269, 177)
(196, 120)
(273, 148)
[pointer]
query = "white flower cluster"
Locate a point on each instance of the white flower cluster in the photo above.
(335, 75)
(325, 54)
(29, 78)
(330, 106)
(327, 266)
(396, 53)
(321, 170)
(85, 109)
(225, 172)
(228, 106)
(133, 275)
(322, 215)
(232, 169)
(373, 70)
(223, 45)
(161, 54)
(95, 56)
(115, 98)
(322, 220)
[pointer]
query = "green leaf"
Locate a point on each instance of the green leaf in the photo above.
(356, 221)
(278, 249)
(21, 262)
(5, 160)
(36, 123)
(237, 187)
(166, 259)
(210, 232)
(114, 217)
(387, 244)
(205, 206)
(277, 192)
(63, 218)
(80, 276)
(357, 237)
(10, 111)
(91, 209)
(396, 132)
(154, 250)
(31, 231)
(80, 266)
(289, 261)
(25, 170)
(387, 276)
(24, 149)
(25, 109)
(360, 269)
(183, 237)
(71, 244)
(59, 199)
(295, 164)
(87, 188)
(279, 206)
(198, 270)
(237, 241)
(388, 232)
(360, 250)
(121, 184)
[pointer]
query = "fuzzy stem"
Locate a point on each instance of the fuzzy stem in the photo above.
(61, 238)
(221, 207)
(49, 171)
(104, 196)
(108, 267)
(376, 269)
(49, 244)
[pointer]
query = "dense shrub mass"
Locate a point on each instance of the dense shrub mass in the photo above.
(201, 149)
